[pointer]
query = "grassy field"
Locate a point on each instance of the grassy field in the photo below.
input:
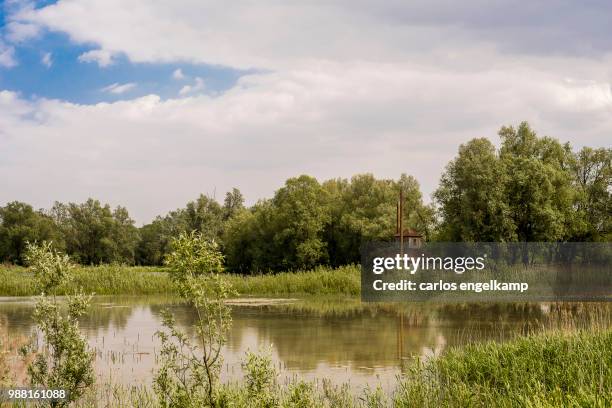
(122, 280)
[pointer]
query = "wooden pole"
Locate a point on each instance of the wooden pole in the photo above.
(401, 221)
(397, 217)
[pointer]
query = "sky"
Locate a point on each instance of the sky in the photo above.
(149, 104)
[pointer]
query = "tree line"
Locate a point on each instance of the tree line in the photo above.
(531, 188)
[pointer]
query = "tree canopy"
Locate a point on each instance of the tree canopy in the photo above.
(529, 188)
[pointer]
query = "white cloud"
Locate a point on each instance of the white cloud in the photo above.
(47, 59)
(274, 34)
(178, 74)
(102, 57)
(198, 85)
(332, 119)
(7, 55)
(118, 89)
(341, 87)
(19, 32)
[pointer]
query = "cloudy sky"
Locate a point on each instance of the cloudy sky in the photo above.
(150, 103)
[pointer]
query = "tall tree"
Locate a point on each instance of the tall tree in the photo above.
(96, 234)
(233, 203)
(593, 177)
(471, 196)
(538, 185)
(526, 191)
(248, 242)
(301, 213)
(19, 224)
(205, 216)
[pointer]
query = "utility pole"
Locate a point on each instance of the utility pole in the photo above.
(401, 220)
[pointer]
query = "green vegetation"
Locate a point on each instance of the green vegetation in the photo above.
(101, 280)
(66, 361)
(569, 369)
(189, 370)
(137, 280)
(548, 370)
(569, 366)
(530, 189)
(320, 281)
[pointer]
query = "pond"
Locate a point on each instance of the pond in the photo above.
(343, 340)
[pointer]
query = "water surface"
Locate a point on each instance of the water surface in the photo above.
(345, 341)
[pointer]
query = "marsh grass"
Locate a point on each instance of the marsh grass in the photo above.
(134, 280)
(320, 281)
(546, 370)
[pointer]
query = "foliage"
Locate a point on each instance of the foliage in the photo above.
(204, 215)
(553, 369)
(137, 280)
(301, 395)
(66, 361)
(260, 379)
(233, 203)
(51, 269)
(19, 224)
(189, 370)
(308, 224)
(96, 234)
(300, 217)
(471, 196)
(531, 189)
(593, 173)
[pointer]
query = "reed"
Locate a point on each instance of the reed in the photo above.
(134, 280)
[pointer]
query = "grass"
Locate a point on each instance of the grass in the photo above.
(101, 280)
(320, 281)
(547, 370)
(124, 280)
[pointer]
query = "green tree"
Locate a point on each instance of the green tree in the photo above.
(471, 196)
(593, 176)
(248, 241)
(525, 191)
(307, 223)
(301, 213)
(19, 224)
(233, 203)
(153, 243)
(205, 216)
(96, 234)
(65, 363)
(364, 209)
(189, 371)
(538, 184)
(417, 215)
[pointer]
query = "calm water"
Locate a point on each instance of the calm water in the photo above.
(345, 341)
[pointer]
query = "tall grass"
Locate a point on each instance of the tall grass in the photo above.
(126, 280)
(102, 280)
(558, 369)
(320, 281)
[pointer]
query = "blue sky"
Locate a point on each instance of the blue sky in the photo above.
(64, 77)
(149, 104)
